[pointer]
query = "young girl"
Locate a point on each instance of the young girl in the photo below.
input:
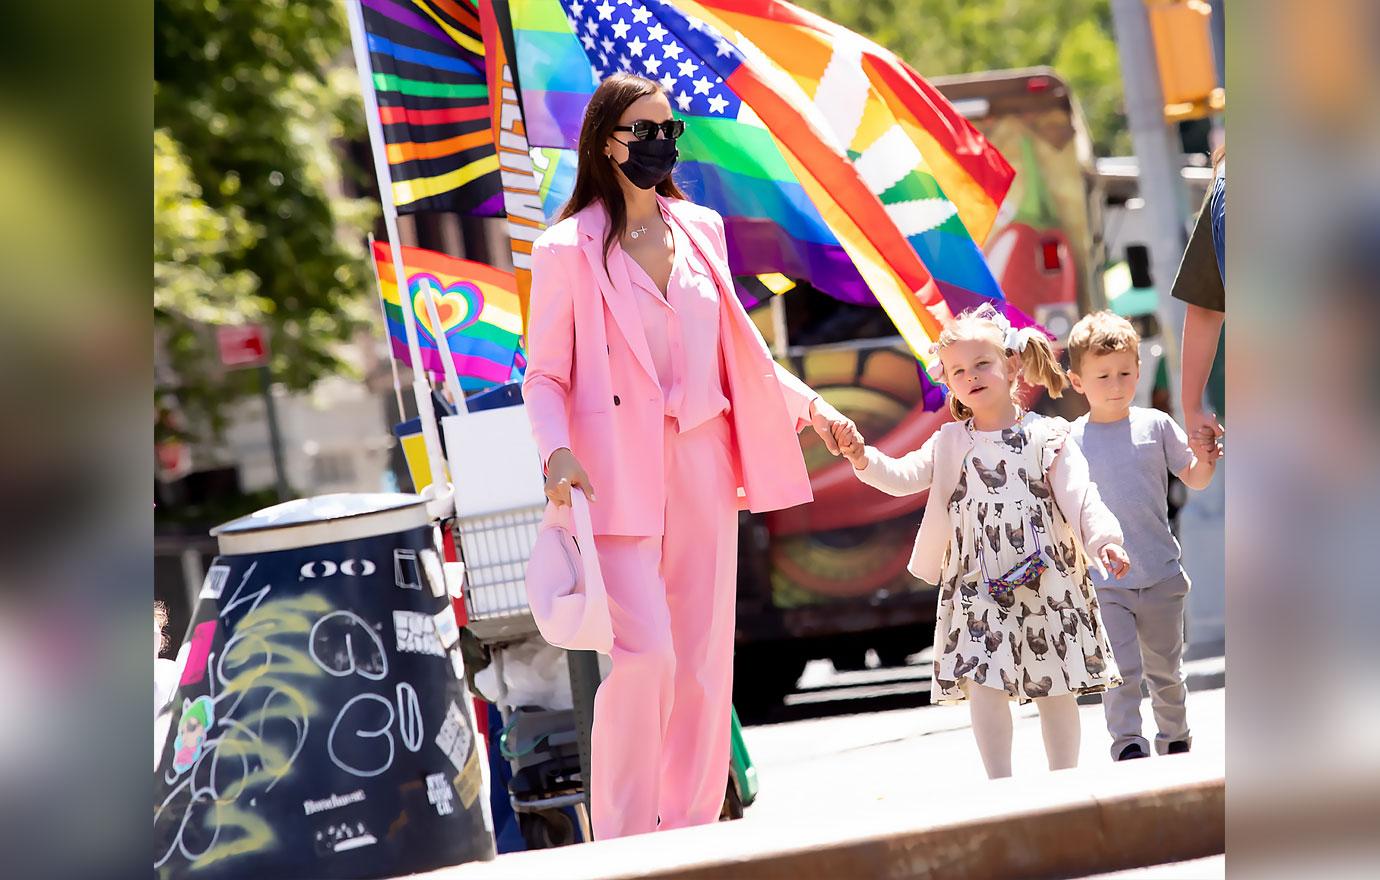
(1011, 525)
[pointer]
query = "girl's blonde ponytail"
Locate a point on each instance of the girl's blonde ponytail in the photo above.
(1039, 365)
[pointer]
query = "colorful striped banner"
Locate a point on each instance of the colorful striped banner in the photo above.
(521, 199)
(427, 65)
(477, 305)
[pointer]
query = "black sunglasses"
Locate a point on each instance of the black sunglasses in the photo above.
(645, 129)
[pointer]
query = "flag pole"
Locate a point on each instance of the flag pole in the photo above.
(443, 348)
(421, 390)
(383, 313)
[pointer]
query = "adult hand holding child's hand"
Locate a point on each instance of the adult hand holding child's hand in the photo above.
(851, 444)
(1206, 445)
(827, 421)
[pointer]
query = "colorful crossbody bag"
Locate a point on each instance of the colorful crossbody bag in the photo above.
(1025, 573)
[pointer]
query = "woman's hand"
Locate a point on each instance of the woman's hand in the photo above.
(1203, 425)
(1114, 559)
(563, 470)
(825, 420)
(851, 444)
(1206, 445)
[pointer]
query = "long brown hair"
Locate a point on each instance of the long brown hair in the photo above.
(595, 177)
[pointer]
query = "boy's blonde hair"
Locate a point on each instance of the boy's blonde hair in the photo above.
(1101, 333)
(1038, 364)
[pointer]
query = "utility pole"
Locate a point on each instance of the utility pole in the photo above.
(1203, 531)
(1159, 157)
(275, 435)
(246, 345)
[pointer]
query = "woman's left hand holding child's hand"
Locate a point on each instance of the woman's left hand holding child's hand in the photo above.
(1114, 559)
(851, 444)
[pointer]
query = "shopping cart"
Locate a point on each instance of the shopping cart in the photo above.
(499, 501)
(495, 548)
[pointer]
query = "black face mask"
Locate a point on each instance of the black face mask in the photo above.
(649, 162)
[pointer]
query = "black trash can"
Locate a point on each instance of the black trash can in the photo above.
(321, 727)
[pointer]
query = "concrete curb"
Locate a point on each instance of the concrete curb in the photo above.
(1068, 824)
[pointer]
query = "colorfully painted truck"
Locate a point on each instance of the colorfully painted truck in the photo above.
(829, 579)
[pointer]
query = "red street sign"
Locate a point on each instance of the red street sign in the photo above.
(242, 345)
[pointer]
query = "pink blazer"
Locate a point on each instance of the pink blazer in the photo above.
(937, 464)
(591, 386)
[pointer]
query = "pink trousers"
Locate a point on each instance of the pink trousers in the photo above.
(661, 717)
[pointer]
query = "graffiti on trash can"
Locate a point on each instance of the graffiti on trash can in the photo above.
(343, 644)
(253, 725)
(308, 697)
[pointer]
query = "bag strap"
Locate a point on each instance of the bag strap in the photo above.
(584, 540)
(982, 552)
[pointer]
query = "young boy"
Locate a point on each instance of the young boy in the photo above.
(1131, 451)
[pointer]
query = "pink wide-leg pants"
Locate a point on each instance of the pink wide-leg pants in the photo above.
(661, 717)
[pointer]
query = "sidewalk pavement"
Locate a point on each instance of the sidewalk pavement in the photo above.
(1098, 818)
(908, 759)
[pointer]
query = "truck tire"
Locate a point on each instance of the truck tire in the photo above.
(546, 829)
(850, 660)
(894, 646)
(762, 677)
(894, 655)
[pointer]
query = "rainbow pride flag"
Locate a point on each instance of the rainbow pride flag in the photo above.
(830, 160)
(427, 66)
(477, 305)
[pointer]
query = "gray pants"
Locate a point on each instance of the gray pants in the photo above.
(1146, 629)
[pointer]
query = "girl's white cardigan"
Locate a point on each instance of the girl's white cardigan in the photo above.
(938, 463)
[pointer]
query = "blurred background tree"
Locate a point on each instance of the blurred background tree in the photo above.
(253, 102)
(946, 37)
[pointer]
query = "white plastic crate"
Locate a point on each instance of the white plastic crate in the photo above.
(494, 462)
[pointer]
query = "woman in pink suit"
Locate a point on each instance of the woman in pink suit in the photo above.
(647, 381)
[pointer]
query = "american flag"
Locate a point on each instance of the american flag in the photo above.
(626, 35)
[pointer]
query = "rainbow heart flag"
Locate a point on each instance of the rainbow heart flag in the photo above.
(830, 160)
(477, 305)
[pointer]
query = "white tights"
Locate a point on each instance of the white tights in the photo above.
(991, 713)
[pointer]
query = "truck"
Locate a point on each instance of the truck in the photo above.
(828, 580)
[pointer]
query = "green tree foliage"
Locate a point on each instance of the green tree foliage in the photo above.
(947, 37)
(252, 99)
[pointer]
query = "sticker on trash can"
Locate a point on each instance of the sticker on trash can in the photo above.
(214, 584)
(198, 652)
(192, 730)
(454, 737)
(406, 573)
(447, 630)
(439, 794)
(417, 634)
(468, 781)
(435, 574)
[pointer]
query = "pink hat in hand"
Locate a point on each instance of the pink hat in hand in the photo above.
(564, 587)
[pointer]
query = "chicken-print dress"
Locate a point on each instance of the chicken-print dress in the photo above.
(1044, 639)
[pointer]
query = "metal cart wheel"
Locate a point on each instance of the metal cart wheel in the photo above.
(546, 829)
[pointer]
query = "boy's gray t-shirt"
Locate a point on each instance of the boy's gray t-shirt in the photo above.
(1130, 461)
